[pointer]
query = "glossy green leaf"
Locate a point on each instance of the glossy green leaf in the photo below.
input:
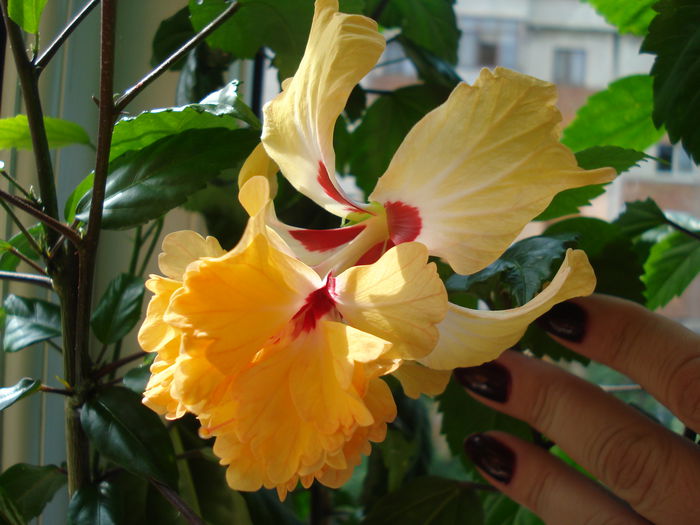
(137, 378)
(14, 133)
(26, 13)
(143, 185)
(119, 309)
(569, 201)
(629, 16)
(520, 272)
(428, 501)
(429, 23)
(640, 216)
(11, 394)
(172, 33)
(617, 116)
(31, 487)
(383, 128)
(29, 321)
(8, 261)
(96, 505)
(126, 432)
(674, 37)
(221, 109)
(462, 416)
(9, 513)
(673, 264)
(76, 195)
(499, 509)
(616, 263)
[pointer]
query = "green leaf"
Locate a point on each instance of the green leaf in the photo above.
(569, 201)
(26, 13)
(431, 69)
(399, 455)
(499, 509)
(9, 514)
(221, 109)
(137, 378)
(428, 501)
(389, 118)
(264, 507)
(119, 309)
(8, 261)
(129, 434)
(29, 321)
(462, 416)
(429, 23)
(11, 394)
(617, 116)
(76, 195)
(639, 217)
(672, 265)
(521, 271)
(31, 487)
(630, 16)
(281, 26)
(143, 185)
(14, 133)
(95, 505)
(171, 34)
(674, 37)
(612, 255)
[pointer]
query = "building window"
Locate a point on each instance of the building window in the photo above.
(569, 67)
(488, 42)
(664, 155)
(684, 163)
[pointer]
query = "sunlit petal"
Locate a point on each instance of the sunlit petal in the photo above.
(416, 379)
(473, 172)
(472, 337)
(257, 164)
(298, 124)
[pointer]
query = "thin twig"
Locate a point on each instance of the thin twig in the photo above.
(15, 184)
(29, 278)
(30, 238)
(176, 501)
(29, 207)
(52, 390)
(41, 62)
(54, 345)
(151, 247)
(131, 93)
(690, 233)
(118, 364)
(14, 251)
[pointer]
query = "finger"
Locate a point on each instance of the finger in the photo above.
(552, 490)
(659, 354)
(643, 463)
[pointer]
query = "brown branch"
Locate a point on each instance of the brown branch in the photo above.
(14, 183)
(14, 251)
(30, 238)
(42, 60)
(51, 390)
(176, 501)
(30, 208)
(29, 278)
(133, 91)
(116, 365)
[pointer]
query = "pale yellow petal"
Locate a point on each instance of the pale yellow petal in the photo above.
(416, 379)
(477, 169)
(155, 335)
(183, 247)
(257, 164)
(298, 123)
(472, 337)
(400, 298)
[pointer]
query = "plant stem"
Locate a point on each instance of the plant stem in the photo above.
(54, 225)
(118, 364)
(41, 62)
(14, 251)
(30, 238)
(131, 93)
(39, 280)
(30, 93)
(51, 390)
(321, 505)
(14, 183)
(676, 226)
(177, 502)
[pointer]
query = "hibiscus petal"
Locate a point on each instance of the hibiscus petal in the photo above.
(257, 164)
(298, 124)
(473, 172)
(400, 298)
(416, 379)
(183, 247)
(155, 335)
(472, 337)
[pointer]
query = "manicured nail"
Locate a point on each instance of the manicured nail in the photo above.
(491, 456)
(490, 380)
(566, 320)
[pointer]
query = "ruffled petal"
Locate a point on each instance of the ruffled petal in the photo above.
(155, 335)
(240, 300)
(417, 379)
(298, 124)
(473, 172)
(400, 299)
(472, 337)
(183, 247)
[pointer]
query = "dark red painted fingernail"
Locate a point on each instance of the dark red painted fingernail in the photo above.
(490, 380)
(491, 456)
(566, 320)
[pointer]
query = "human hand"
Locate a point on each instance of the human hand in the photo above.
(650, 473)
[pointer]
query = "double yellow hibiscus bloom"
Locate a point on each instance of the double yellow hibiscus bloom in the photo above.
(278, 346)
